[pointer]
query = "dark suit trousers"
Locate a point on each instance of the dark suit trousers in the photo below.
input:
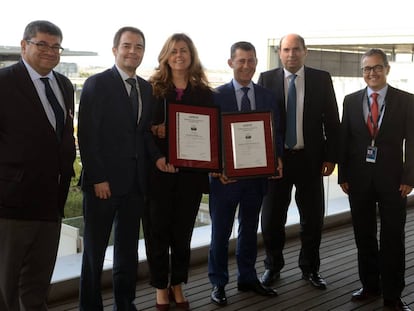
(168, 226)
(28, 254)
(383, 264)
(310, 202)
(223, 202)
(123, 212)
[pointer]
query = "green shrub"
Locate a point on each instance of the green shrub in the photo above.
(73, 207)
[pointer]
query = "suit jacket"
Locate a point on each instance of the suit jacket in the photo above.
(395, 134)
(35, 170)
(320, 114)
(265, 100)
(113, 147)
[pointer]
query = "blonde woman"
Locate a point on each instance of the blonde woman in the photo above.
(174, 198)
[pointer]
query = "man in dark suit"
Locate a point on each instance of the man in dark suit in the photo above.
(376, 170)
(311, 130)
(116, 148)
(226, 195)
(36, 166)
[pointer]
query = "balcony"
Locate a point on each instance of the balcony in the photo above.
(338, 266)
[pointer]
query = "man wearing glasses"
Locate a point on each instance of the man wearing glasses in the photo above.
(44, 47)
(36, 165)
(376, 170)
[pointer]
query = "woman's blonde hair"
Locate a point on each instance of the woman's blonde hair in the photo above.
(161, 80)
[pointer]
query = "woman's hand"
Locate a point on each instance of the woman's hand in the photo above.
(158, 130)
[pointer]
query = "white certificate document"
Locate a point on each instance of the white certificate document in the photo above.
(193, 136)
(248, 144)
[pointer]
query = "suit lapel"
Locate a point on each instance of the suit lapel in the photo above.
(26, 86)
(28, 90)
(228, 100)
(124, 101)
(259, 98)
(389, 110)
(143, 95)
(280, 80)
(66, 96)
(358, 116)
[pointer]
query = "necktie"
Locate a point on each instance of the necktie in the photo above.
(57, 109)
(245, 101)
(133, 97)
(372, 121)
(291, 114)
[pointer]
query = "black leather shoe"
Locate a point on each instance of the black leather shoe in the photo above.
(364, 294)
(397, 305)
(269, 277)
(315, 280)
(256, 287)
(218, 295)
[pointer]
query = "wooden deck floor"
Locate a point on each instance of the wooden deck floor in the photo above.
(338, 267)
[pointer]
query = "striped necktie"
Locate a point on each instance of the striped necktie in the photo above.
(57, 109)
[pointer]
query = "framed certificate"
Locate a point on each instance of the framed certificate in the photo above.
(248, 144)
(193, 135)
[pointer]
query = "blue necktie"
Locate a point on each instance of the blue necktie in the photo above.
(134, 97)
(291, 114)
(57, 109)
(245, 101)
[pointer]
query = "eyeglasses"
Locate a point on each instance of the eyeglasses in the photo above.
(44, 47)
(376, 69)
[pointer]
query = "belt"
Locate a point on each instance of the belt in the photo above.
(293, 151)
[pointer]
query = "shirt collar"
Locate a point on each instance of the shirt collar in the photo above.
(382, 92)
(123, 74)
(300, 72)
(238, 86)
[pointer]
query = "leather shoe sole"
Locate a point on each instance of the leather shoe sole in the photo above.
(315, 280)
(256, 287)
(269, 277)
(364, 294)
(218, 296)
(398, 305)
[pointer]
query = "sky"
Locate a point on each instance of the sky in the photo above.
(213, 25)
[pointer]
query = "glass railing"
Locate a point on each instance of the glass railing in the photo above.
(70, 250)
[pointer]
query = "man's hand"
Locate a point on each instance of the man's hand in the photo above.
(223, 178)
(279, 170)
(158, 130)
(345, 187)
(165, 167)
(405, 190)
(327, 168)
(102, 190)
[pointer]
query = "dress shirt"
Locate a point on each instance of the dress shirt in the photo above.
(240, 93)
(380, 100)
(128, 87)
(300, 97)
(40, 88)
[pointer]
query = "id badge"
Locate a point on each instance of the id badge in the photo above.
(371, 154)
